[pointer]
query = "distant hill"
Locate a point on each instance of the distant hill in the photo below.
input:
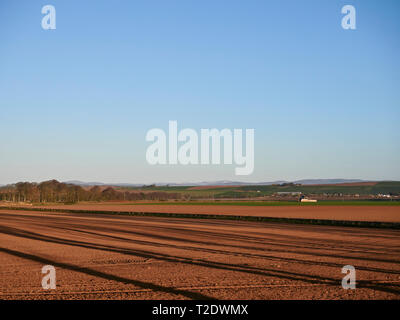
(328, 181)
(222, 183)
(82, 183)
(239, 189)
(86, 184)
(241, 183)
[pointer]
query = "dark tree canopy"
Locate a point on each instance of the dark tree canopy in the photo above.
(55, 191)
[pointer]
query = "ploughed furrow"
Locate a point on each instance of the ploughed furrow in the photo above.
(129, 257)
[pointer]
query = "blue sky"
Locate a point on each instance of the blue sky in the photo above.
(76, 102)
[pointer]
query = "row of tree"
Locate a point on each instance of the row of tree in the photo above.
(55, 191)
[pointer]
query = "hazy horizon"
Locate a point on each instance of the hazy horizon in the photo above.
(208, 182)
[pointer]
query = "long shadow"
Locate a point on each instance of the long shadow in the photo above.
(264, 249)
(370, 232)
(294, 243)
(376, 232)
(263, 237)
(271, 241)
(244, 247)
(269, 249)
(373, 232)
(91, 272)
(314, 279)
(175, 221)
(305, 242)
(231, 253)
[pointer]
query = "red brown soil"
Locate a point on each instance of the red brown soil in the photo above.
(125, 257)
(355, 213)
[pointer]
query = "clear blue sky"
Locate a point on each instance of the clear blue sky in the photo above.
(76, 102)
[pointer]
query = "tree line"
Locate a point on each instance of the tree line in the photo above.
(55, 191)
